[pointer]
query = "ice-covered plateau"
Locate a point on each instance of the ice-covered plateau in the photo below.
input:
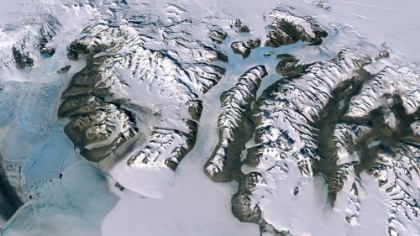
(318, 145)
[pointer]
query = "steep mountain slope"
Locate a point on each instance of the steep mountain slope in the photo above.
(207, 118)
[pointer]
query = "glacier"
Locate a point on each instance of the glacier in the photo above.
(209, 118)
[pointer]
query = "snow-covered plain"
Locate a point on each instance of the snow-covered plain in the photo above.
(84, 201)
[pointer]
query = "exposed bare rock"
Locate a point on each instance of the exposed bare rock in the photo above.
(415, 127)
(21, 58)
(332, 119)
(168, 146)
(120, 72)
(289, 66)
(218, 33)
(79, 106)
(383, 54)
(282, 117)
(314, 89)
(203, 53)
(288, 28)
(240, 27)
(388, 151)
(397, 173)
(387, 82)
(244, 49)
(253, 43)
(10, 199)
(45, 35)
(29, 48)
(322, 5)
(64, 70)
(235, 125)
(101, 131)
(241, 49)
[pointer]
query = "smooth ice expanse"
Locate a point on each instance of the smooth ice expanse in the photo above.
(68, 195)
(84, 201)
(194, 205)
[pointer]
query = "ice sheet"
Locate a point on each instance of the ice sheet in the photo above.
(192, 204)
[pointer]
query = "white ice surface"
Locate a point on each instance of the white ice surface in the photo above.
(304, 215)
(194, 205)
(32, 136)
(154, 180)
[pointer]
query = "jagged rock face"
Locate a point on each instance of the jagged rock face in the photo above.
(387, 105)
(235, 125)
(29, 48)
(98, 126)
(244, 49)
(289, 66)
(99, 130)
(129, 92)
(10, 201)
(45, 35)
(241, 49)
(241, 27)
(64, 70)
(283, 135)
(316, 121)
(288, 28)
(22, 58)
(217, 34)
(331, 119)
(253, 43)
